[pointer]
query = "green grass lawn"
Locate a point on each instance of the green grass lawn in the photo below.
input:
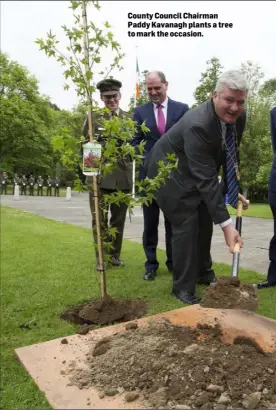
(255, 211)
(48, 266)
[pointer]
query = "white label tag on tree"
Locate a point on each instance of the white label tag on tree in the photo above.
(91, 158)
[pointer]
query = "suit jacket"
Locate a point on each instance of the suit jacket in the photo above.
(272, 180)
(121, 175)
(196, 140)
(145, 113)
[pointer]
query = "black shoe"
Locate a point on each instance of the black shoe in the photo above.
(203, 281)
(186, 297)
(170, 269)
(150, 275)
(264, 285)
(116, 261)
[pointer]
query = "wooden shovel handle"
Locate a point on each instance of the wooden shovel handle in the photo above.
(239, 209)
(236, 254)
(238, 224)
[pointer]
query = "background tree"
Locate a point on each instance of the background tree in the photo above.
(29, 125)
(268, 89)
(208, 80)
(26, 121)
(67, 133)
(256, 150)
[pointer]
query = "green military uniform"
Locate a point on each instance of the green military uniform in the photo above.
(57, 183)
(119, 179)
(49, 183)
(31, 185)
(24, 183)
(4, 183)
(40, 186)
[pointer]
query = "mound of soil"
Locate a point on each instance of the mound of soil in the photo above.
(229, 293)
(105, 311)
(170, 366)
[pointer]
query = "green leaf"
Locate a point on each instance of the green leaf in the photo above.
(88, 75)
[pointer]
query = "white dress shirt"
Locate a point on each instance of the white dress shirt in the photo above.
(164, 109)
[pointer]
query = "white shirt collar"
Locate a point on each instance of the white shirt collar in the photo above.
(164, 104)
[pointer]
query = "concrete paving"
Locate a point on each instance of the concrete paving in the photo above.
(256, 232)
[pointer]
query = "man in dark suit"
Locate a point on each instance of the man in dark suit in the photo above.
(120, 178)
(159, 115)
(206, 138)
(271, 275)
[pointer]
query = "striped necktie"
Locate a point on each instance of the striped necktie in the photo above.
(231, 176)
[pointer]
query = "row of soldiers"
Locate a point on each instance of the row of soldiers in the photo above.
(23, 182)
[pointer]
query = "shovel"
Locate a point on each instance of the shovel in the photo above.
(236, 254)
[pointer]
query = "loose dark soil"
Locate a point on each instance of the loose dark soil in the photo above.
(229, 293)
(170, 366)
(104, 311)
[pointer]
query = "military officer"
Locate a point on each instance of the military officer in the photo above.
(24, 183)
(120, 178)
(57, 183)
(31, 185)
(40, 185)
(49, 183)
(4, 183)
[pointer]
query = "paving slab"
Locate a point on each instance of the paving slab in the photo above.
(48, 362)
(256, 232)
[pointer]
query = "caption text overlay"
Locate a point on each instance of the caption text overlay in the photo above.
(173, 25)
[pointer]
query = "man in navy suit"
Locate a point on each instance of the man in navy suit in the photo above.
(160, 114)
(271, 275)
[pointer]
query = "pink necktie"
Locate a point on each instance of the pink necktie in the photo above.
(161, 124)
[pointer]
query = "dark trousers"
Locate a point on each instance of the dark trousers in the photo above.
(150, 237)
(56, 190)
(191, 243)
(23, 189)
(271, 275)
(31, 190)
(49, 190)
(40, 190)
(117, 220)
(4, 189)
